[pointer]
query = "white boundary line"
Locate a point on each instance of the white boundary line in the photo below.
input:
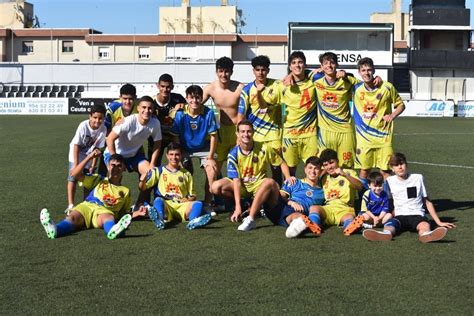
(440, 165)
(412, 134)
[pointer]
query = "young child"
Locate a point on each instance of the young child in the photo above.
(375, 203)
(174, 192)
(409, 194)
(90, 134)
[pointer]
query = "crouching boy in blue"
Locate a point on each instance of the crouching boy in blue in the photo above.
(292, 210)
(409, 194)
(107, 202)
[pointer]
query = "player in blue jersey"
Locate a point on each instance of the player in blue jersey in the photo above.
(195, 128)
(259, 103)
(167, 103)
(107, 206)
(292, 211)
(375, 206)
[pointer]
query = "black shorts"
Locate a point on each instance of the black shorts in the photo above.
(409, 222)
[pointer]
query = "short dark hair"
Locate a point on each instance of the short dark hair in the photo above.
(117, 157)
(174, 146)
(194, 90)
(375, 178)
(97, 108)
(297, 54)
(397, 159)
(328, 56)
(244, 122)
(261, 60)
(166, 78)
(315, 161)
(328, 154)
(225, 63)
(128, 89)
(366, 61)
(146, 98)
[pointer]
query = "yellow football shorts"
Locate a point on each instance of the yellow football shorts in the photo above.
(295, 149)
(342, 143)
(368, 158)
(227, 139)
(334, 213)
(176, 211)
(90, 212)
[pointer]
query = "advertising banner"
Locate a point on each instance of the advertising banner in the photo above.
(429, 108)
(83, 105)
(466, 109)
(33, 106)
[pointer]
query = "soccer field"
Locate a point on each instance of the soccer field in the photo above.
(217, 269)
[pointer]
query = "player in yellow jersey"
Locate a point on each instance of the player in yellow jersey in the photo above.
(298, 103)
(123, 107)
(259, 104)
(340, 186)
(107, 202)
(335, 127)
(175, 197)
(247, 174)
(373, 118)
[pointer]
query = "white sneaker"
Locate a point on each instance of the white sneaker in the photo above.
(297, 226)
(118, 228)
(48, 223)
(247, 224)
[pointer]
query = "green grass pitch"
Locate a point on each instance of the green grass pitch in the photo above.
(218, 270)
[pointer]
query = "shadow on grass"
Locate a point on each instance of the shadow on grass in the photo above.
(136, 236)
(447, 204)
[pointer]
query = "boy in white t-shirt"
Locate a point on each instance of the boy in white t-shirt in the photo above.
(127, 139)
(90, 134)
(409, 194)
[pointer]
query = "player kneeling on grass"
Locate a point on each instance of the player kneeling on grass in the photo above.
(292, 211)
(107, 202)
(340, 186)
(409, 194)
(247, 165)
(375, 203)
(175, 196)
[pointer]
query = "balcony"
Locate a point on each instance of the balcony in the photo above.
(441, 59)
(441, 16)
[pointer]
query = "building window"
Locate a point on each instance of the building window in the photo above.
(68, 47)
(144, 53)
(27, 47)
(104, 52)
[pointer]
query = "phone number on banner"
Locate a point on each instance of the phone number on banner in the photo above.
(33, 106)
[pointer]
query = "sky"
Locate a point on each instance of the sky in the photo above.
(260, 16)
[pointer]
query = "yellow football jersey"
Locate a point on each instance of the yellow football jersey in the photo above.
(115, 198)
(333, 104)
(115, 112)
(266, 122)
(337, 190)
(369, 110)
(298, 109)
(171, 185)
(252, 167)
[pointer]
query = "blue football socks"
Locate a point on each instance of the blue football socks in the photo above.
(64, 227)
(315, 218)
(196, 210)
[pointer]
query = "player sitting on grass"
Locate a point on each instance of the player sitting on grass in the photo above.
(409, 194)
(90, 134)
(247, 165)
(107, 202)
(292, 210)
(195, 128)
(340, 187)
(375, 204)
(174, 192)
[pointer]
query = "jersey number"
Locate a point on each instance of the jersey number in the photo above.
(305, 100)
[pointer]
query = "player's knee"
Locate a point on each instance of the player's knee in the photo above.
(393, 225)
(315, 209)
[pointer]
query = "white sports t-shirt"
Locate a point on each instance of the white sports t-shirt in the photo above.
(408, 194)
(85, 138)
(132, 135)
